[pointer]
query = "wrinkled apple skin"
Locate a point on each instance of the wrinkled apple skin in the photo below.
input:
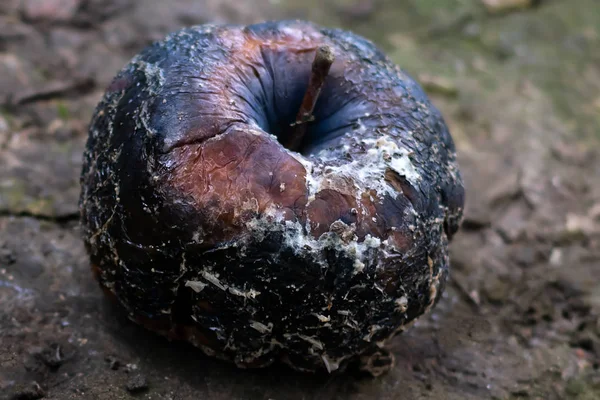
(206, 228)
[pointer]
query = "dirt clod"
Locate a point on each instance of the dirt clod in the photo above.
(113, 362)
(31, 391)
(52, 356)
(499, 6)
(137, 383)
(49, 10)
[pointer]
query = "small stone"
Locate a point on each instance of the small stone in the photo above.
(50, 10)
(137, 383)
(438, 85)
(377, 362)
(571, 153)
(520, 393)
(579, 224)
(586, 341)
(476, 217)
(500, 6)
(7, 257)
(511, 225)
(130, 367)
(402, 41)
(556, 257)
(51, 356)
(496, 290)
(525, 255)
(32, 391)
(505, 190)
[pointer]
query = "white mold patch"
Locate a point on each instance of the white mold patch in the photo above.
(365, 172)
(314, 342)
(213, 279)
(322, 318)
(262, 328)
(312, 179)
(196, 286)
(404, 167)
(401, 304)
(250, 294)
(153, 73)
(359, 266)
(372, 331)
(332, 364)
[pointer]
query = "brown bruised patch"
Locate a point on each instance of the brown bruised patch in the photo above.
(339, 204)
(298, 38)
(237, 176)
(330, 206)
(384, 221)
(401, 241)
(370, 223)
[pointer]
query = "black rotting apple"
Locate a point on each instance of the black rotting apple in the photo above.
(277, 191)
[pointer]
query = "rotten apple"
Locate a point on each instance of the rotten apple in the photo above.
(278, 191)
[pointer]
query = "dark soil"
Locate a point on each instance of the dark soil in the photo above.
(521, 93)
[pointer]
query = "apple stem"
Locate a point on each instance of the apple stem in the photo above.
(320, 68)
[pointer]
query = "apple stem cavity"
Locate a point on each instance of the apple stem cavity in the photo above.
(324, 58)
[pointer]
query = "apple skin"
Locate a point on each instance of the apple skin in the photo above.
(207, 229)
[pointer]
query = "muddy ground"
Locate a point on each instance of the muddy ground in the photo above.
(521, 92)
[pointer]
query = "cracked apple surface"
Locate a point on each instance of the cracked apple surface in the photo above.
(205, 227)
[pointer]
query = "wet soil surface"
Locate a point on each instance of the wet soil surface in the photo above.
(520, 89)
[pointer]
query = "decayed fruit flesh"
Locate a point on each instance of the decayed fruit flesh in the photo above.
(206, 228)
